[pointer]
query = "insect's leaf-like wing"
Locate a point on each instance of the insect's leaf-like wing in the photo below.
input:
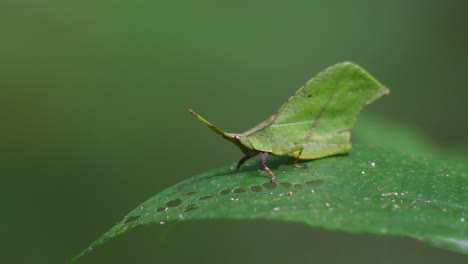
(319, 117)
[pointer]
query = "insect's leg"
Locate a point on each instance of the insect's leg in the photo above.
(296, 157)
(241, 161)
(263, 162)
(296, 160)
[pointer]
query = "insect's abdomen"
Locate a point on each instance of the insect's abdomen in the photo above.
(286, 142)
(315, 149)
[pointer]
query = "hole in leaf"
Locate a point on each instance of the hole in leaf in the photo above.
(298, 186)
(225, 191)
(206, 197)
(190, 207)
(285, 185)
(190, 193)
(174, 203)
(269, 185)
(256, 188)
(132, 219)
(160, 209)
(316, 183)
(239, 190)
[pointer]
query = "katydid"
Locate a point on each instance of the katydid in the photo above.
(315, 122)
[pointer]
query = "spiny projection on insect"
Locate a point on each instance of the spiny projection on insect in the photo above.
(315, 122)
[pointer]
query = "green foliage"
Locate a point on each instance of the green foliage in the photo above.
(372, 190)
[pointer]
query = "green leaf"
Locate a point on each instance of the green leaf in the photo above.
(372, 190)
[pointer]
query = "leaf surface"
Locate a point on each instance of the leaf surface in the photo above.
(371, 190)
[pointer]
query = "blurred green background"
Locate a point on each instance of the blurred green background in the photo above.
(93, 111)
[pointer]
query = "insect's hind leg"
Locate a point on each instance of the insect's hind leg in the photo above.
(296, 160)
(296, 157)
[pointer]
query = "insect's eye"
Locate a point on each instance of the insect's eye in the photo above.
(237, 138)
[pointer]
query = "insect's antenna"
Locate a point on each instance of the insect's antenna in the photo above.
(208, 124)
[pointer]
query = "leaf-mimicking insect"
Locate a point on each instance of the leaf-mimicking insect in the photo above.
(313, 123)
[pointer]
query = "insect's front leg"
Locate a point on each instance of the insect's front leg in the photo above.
(241, 161)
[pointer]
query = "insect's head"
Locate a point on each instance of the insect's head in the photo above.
(237, 139)
(241, 141)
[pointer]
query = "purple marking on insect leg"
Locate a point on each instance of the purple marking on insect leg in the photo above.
(263, 162)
